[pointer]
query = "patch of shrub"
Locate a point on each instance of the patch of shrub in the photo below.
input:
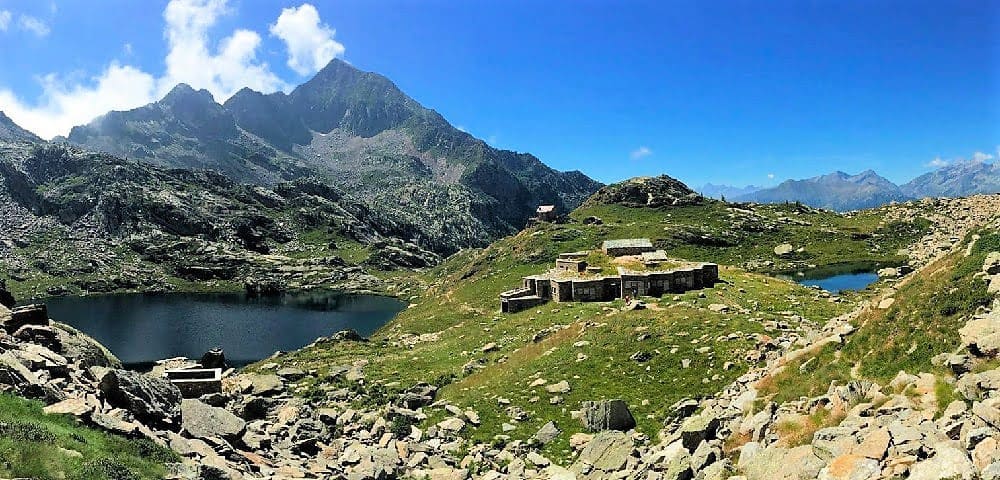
(26, 432)
(107, 468)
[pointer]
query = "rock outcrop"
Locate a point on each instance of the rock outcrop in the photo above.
(151, 400)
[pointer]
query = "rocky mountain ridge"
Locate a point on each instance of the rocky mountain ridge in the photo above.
(956, 179)
(837, 191)
(11, 132)
(359, 132)
(842, 192)
(80, 222)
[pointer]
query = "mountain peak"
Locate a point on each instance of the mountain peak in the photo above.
(646, 192)
(183, 92)
(12, 132)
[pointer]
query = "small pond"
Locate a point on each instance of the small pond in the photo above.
(142, 328)
(839, 277)
(839, 283)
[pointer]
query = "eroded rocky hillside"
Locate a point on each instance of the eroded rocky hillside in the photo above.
(357, 131)
(80, 222)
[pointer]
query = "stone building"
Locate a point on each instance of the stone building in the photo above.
(546, 213)
(559, 287)
(627, 246)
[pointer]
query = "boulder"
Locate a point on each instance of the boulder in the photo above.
(291, 374)
(306, 436)
(264, 385)
(201, 420)
(850, 467)
(154, 401)
(678, 463)
(697, 429)
(874, 445)
(776, 463)
(14, 376)
(784, 250)
(420, 395)
(27, 315)
(80, 348)
(607, 415)
(214, 358)
(43, 335)
(561, 387)
(77, 407)
(982, 335)
(992, 264)
(831, 442)
(948, 462)
(988, 410)
(549, 432)
(607, 452)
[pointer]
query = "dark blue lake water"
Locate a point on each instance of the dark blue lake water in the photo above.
(142, 328)
(845, 281)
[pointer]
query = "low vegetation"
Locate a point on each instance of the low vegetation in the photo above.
(500, 365)
(39, 446)
(922, 322)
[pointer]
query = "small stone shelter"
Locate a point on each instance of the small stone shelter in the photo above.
(559, 287)
(627, 246)
(546, 213)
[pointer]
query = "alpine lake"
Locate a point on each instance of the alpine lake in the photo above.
(142, 328)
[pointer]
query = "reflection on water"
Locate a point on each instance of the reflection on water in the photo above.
(141, 328)
(842, 282)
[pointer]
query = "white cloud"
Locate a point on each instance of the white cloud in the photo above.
(310, 43)
(981, 157)
(127, 48)
(232, 66)
(63, 106)
(33, 25)
(5, 17)
(222, 69)
(770, 176)
(938, 162)
(640, 152)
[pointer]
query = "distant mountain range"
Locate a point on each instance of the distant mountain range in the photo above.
(842, 191)
(957, 179)
(358, 132)
(711, 190)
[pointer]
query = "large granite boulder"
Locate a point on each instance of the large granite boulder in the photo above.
(608, 452)
(154, 401)
(947, 463)
(80, 348)
(607, 415)
(26, 315)
(40, 335)
(15, 377)
(201, 420)
(981, 335)
(697, 429)
(777, 463)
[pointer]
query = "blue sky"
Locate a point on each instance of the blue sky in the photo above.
(706, 91)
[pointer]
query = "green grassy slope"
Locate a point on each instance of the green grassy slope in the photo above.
(921, 323)
(40, 446)
(454, 314)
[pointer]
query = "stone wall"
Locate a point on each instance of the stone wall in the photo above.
(605, 289)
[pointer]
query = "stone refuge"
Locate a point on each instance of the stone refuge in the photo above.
(627, 246)
(573, 281)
